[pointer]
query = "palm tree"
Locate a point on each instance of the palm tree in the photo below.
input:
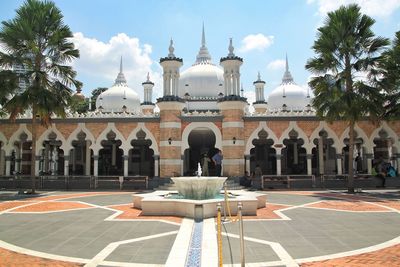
(38, 40)
(346, 48)
(388, 78)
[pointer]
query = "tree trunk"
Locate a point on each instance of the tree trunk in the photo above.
(33, 152)
(350, 182)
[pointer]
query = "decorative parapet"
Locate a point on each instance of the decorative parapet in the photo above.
(196, 113)
(283, 113)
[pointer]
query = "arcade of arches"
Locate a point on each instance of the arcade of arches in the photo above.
(136, 151)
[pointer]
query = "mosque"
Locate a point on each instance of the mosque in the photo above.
(202, 110)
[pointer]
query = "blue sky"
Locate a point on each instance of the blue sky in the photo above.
(139, 31)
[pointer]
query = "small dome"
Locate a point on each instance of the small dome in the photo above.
(204, 79)
(119, 97)
(288, 95)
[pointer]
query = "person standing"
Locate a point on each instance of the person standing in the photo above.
(217, 159)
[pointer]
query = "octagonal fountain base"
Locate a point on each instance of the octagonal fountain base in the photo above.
(159, 203)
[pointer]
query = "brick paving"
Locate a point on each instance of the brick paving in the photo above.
(347, 206)
(387, 257)
(14, 259)
(52, 206)
(134, 213)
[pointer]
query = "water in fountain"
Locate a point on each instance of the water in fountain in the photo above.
(199, 171)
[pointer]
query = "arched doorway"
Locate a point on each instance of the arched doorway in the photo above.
(324, 155)
(201, 141)
(81, 156)
(263, 154)
(294, 156)
(141, 160)
(110, 156)
(52, 157)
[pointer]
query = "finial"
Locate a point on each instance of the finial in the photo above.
(287, 76)
(287, 64)
(171, 49)
(258, 77)
(120, 77)
(148, 77)
(231, 48)
(203, 38)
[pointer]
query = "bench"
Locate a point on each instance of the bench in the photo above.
(287, 181)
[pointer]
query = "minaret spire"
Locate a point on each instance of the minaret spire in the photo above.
(203, 38)
(203, 57)
(287, 76)
(120, 78)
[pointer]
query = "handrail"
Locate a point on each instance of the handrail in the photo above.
(219, 236)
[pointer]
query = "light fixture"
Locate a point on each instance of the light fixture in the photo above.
(234, 140)
(170, 140)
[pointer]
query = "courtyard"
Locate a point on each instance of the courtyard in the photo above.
(296, 228)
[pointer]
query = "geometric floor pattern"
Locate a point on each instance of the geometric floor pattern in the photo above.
(296, 228)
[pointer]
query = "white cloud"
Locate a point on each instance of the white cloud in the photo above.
(276, 64)
(375, 8)
(256, 42)
(100, 60)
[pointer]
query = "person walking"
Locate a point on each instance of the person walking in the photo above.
(217, 159)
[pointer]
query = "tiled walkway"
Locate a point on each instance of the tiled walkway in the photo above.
(295, 229)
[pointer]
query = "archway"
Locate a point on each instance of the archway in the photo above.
(263, 154)
(294, 156)
(384, 148)
(51, 156)
(110, 156)
(81, 156)
(359, 148)
(201, 141)
(141, 160)
(324, 155)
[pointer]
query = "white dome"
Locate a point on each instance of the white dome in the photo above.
(202, 80)
(119, 97)
(288, 94)
(293, 96)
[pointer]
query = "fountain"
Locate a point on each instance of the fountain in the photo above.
(199, 188)
(198, 198)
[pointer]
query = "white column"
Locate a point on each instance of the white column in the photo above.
(113, 154)
(234, 85)
(309, 164)
(226, 84)
(95, 165)
(126, 162)
(37, 163)
(339, 164)
(321, 156)
(238, 83)
(46, 158)
(278, 163)
(247, 158)
(182, 164)
(88, 158)
(369, 162)
(72, 158)
(66, 165)
(8, 165)
(2, 161)
(295, 154)
(156, 164)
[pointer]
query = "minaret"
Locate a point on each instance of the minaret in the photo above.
(232, 108)
(231, 65)
(171, 106)
(171, 65)
(147, 105)
(260, 105)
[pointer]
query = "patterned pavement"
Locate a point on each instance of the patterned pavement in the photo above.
(295, 229)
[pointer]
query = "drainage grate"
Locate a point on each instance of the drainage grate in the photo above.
(193, 258)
